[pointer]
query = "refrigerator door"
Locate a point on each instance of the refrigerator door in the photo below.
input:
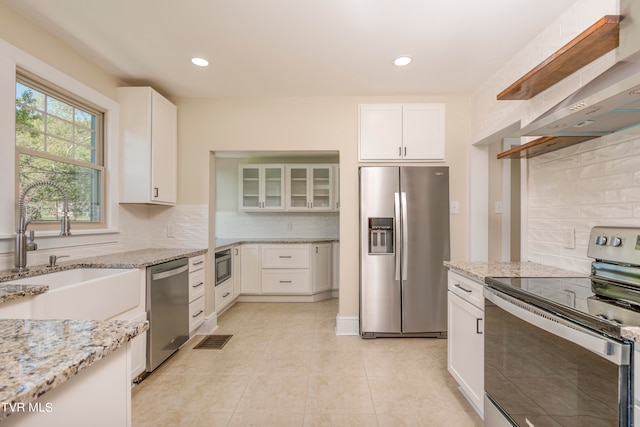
(380, 297)
(426, 226)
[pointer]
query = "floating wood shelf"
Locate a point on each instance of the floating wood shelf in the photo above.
(542, 145)
(589, 45)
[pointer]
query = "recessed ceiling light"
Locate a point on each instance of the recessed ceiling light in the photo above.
(401, 61)
(200, 62)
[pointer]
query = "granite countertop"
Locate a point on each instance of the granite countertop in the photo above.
(631, 333)
(39, 355)
(222, 243)
(132, 259)
(480, 270)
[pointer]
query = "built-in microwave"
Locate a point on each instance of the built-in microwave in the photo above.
(223, 266)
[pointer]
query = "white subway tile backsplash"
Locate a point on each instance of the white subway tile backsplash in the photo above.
(277, 224)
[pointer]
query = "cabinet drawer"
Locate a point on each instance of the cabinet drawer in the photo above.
(285, 256)
(224, 295)
(469, 290)
(196, 313)
(286, 282)
(196, 263)
(196, 284)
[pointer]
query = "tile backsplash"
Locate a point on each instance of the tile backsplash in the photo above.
(571, 190)
(277, 224)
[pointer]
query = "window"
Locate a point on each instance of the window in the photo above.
(59, 139)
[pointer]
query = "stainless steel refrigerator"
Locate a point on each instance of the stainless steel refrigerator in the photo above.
(404, 239)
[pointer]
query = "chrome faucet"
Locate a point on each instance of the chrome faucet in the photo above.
(21, 245)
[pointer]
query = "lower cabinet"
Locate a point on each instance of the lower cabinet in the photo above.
(465, 352)
(321, 267)
(250, 269)
(196, 291)
(223, 295)
(291, 281)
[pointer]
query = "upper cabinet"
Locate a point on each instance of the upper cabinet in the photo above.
(396, 132)
(261, 187)
(310, 187)
(149, 147)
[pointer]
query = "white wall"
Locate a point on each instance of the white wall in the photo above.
(310, 124)
(558, 193)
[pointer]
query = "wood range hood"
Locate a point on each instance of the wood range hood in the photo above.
(600, 38)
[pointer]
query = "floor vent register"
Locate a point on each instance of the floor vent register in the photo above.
(213, 342)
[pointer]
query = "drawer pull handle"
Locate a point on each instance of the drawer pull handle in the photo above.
(198, 285)
(286, 256)
(286, 281)
(226, 295)
(198, 263)
(198, 314)
(459, 286)
(478, 330)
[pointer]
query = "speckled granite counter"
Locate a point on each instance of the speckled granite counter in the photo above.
(132, 259)
(631, 332)
(480, 270)
(11, 292)
(39, 355)
(223, 243)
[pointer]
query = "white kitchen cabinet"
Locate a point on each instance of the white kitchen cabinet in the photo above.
(394, 132)
(197, 285)
(223, 295)
(285, 269)
(465, 355)
(336, 187)
(261, 187)
(236, 265)
(321, 267)
(149, 147)
(310, 187)
(251, 269)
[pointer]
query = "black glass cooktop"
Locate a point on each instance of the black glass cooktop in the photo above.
(598, 305)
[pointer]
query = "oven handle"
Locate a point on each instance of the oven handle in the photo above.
(613, 351)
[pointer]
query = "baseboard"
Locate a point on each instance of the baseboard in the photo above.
(347, 325)
(286, 298)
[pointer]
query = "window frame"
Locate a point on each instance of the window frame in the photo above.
(48, 89)
(12, 59)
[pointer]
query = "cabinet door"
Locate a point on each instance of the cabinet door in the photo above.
(466, 348)
(423, 131)
(321, 195)
(249, 181)
(272, 187)
(380, 133)
(321, 267)
(336, 187)
(236, 267)
(335, 265)
(164, 151)
(298, 188)
(250, 270)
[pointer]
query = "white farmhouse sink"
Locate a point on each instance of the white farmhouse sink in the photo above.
(85, 293)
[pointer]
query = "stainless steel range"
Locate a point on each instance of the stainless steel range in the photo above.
(555, 354)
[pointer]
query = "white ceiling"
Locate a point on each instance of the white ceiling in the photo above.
(297, 47)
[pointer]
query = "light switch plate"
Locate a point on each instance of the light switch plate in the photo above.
(569, 238)
(454, 207)
(498, 207)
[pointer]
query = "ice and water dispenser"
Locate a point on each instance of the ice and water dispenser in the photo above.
(380, 236)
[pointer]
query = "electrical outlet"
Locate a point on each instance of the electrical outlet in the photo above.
(454, 207)
(498, 207)
(289, 225)
(171, 231)
(569, 238)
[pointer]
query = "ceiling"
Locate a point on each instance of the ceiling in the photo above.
(296, 47)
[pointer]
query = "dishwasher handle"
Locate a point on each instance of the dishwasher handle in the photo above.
(170, 273)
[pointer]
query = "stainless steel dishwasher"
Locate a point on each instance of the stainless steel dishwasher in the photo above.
(167, 310)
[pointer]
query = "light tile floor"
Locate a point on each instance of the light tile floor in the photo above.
(284, 366)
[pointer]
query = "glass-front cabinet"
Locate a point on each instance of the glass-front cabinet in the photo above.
(309, 187)
(261, 187)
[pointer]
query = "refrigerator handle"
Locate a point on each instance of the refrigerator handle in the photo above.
(396, 233)
(405, 236)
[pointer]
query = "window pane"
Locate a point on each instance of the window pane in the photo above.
(29, 139)
(59, 128)
(60, 147)
(60, 109)
(29, 118)
(83, 187)
(29, 96)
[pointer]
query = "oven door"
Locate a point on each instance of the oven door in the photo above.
(543, 370)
